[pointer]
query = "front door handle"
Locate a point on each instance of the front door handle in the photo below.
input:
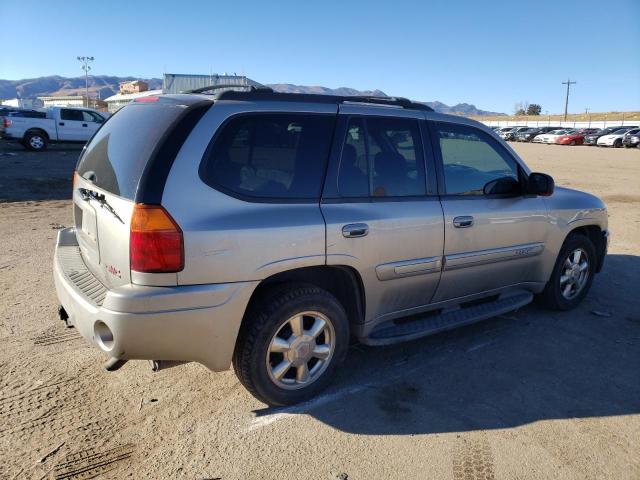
(465, 221)
(84, 124)
(61, 124)
(354, 230)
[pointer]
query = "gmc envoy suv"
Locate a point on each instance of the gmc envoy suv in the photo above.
(266, 230)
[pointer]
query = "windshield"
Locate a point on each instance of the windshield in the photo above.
(620, 131)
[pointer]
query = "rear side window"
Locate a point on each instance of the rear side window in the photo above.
(276, 155)
(382, 157)
(117, 154)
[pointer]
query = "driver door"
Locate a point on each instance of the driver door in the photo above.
(491, 241)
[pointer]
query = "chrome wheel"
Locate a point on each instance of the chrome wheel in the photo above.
(301, 350)
(36, 142)
(575, 273)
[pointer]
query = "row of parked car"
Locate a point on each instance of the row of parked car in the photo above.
(617, 136)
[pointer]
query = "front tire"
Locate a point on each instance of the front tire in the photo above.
(292, 339)
(617, 143)
(572, 274)
(35, 141)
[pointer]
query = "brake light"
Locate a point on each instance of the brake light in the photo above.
(6, 122)
(150, 99)
(156, 244)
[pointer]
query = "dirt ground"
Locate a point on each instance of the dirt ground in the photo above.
(529, 395)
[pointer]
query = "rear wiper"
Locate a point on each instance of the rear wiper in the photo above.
(101, 199)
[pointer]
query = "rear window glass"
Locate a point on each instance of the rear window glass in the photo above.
(270, 155)
(117, 154)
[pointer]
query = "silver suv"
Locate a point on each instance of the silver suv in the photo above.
(265, 230)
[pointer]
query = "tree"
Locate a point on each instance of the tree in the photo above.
(521, 108)
(534, 109)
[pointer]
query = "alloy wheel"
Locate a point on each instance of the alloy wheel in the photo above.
(575, 273)
(301, 350)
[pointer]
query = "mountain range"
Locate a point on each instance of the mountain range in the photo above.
(104, 86)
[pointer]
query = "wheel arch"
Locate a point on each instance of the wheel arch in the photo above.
(342, 282)
(597, 237)
(36, 130)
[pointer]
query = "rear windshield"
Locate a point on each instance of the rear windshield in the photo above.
(117, 154)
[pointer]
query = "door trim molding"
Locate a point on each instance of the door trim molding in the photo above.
(409, 268)
(492, 255)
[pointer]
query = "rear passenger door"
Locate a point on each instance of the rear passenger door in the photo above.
(381, 212)
(492, 240)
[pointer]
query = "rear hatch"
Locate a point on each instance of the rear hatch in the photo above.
(111, 172)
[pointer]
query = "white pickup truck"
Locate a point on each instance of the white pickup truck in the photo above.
(62, 124)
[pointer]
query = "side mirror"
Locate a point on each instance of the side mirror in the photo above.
(502, 186)
(540, 184)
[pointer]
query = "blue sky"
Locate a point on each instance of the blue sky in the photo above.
(491, 54)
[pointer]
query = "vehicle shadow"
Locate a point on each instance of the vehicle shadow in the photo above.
(26, 175)
(527, 366)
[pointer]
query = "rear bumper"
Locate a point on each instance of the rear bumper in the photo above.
(184, 323)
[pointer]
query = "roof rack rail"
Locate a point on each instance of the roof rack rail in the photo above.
(228, 85)
(266, 93)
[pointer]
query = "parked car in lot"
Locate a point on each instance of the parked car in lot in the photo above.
(592, 138)
(631, 140)
(572, 137)
(529, 134)
(509, 133)
(614, 139)
(550, 137)
(60, 124)
(265, 230)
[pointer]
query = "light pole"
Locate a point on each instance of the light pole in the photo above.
(86, 67)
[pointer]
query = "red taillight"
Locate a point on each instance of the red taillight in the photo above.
(6, 122)
(150, 99)
(156, 244)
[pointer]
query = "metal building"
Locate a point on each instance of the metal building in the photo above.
(179, 82)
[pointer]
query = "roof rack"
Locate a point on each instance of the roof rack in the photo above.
(266, 93)
(228, 85)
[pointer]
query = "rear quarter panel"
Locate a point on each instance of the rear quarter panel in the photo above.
(227, 239)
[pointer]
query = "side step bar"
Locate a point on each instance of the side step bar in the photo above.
(401, 330)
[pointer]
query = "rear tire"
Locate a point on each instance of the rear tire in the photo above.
(35, 141)
(290, 344)
(617, 143)
(572, 274)
(573, 143)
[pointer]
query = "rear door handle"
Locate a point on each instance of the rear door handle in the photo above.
(354, 230)
(84, 124)
(61, 124)
(465, 221)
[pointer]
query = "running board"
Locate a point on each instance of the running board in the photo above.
(400, 330)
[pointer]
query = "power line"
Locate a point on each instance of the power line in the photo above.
(568, 83)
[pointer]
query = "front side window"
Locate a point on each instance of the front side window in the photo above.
(471, 160)
(270, 155)
(91, 117)
(381, 157)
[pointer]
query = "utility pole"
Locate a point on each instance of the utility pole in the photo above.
(86, 67)
(568, 83)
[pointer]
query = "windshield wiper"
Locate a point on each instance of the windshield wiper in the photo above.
(101, 199)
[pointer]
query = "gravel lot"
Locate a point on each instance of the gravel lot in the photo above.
(530, 395)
